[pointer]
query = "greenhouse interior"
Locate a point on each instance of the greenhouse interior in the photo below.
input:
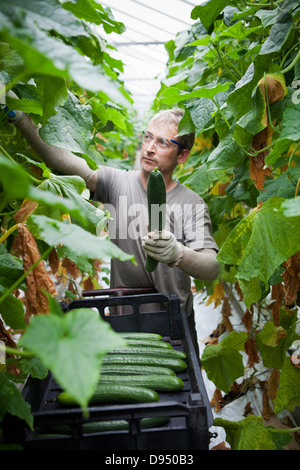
(150, 220)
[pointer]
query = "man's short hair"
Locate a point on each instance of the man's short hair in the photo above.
(173, 117)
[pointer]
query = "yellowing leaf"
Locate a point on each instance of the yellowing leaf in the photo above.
(271, 334)
(217, 296)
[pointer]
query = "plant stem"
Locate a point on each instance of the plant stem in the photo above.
(6, 154)
(234, 78)
(297, 187)
(221, 112)
(8, 232)
(35, 180)
(268, 104)
(21, 278)
(292, 154)
(297, 429)
(289, 67)
(254, 153)
(287, 54)
(18, 352)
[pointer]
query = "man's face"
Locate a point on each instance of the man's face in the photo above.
(158, 150)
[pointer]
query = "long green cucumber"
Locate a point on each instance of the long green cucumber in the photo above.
(141, 335)
(113, 393)
(122, 424)
(109, 425)
(156, 196)
(148, 343)
(149, 351)
(135, 370)
(177, 365)
(155, 382)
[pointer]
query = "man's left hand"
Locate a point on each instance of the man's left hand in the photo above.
(162, 246)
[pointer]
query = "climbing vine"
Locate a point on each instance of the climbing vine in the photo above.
(236, 73)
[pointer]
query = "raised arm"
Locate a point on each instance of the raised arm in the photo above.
(61, 160)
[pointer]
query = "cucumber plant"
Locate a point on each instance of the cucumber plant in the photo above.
(61, 69)
(236, 73)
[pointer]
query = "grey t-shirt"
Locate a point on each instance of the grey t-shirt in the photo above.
(124, 196)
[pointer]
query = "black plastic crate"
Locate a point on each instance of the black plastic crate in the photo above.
(189, 410)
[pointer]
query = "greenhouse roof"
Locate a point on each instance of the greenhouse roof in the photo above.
(149, 25)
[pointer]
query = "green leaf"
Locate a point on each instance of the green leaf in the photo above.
(26, 105)
(76, 239)
(86, 214)
(273, 341)
(16, 184)
(281, 186)
(235, 340)
(14, 180)
(199, 180)
(70, 127)
(288, 393)
(267, 17)
(272, 345)
(278, 34)
(10, 267)
(93, 12)
(12, 402)
(48, 14)
(72, 346)
(251, 434)
(225, 157)
(12, 311)
(50, 203)
(261, 242)
(55, 93)
(240, 100)
(34, 367)
(47, 55)
(208, 11)
(173, 95)
(291, 208)
(223, 365)
(201, 113)
(290, 133)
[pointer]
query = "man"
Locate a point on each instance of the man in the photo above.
(185, 248)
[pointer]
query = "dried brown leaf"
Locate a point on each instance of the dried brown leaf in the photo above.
(275, 89)
(88, 284)
(239, 291)
(251, 351)
(267, 410)
(291, 278)
(272, 384)
(247, 319)
(217, 400)
(37, 281)
(226, 312)
(248, 409)
(53, 261)
(26, 208)
(220, 446)
(6, 337)
(277, 294)
(71, 267)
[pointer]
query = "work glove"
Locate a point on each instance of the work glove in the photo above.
(162, 246)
